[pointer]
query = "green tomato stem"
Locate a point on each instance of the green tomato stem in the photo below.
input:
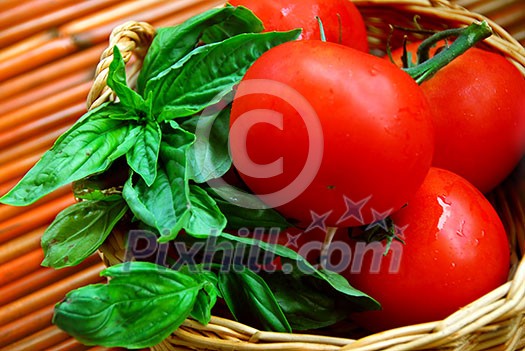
(321, 29)
(340, 24)
(330, 233)
(423, 51)
(466, 38)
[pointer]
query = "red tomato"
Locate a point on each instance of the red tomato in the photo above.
(328, 135)
(341, 20)
(478, 104)
(455, 251)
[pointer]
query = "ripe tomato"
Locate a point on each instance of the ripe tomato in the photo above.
(478, 107)
(455, 251)
(341, 20)
(329, 135)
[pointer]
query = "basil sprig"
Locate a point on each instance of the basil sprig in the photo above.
(188, 68)
(133, 126)
(145, 160)
(305, 298)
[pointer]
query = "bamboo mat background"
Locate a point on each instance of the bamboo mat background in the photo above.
(48, 53)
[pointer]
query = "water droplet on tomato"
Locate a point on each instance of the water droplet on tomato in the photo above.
(285, 11)
(445, 214)
(461, 229)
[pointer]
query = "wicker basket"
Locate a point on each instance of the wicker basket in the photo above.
(494, 322)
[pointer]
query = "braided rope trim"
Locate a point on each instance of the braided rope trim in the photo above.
(132, 39)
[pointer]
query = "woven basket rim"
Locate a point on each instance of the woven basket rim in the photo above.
(504, 306)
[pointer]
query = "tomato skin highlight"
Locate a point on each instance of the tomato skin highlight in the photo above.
(478, 108)
(456, 250)
(341, 19)
(377, 136)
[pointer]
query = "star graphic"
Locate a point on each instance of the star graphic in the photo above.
(292, 240)
(318, 221)
(379, 219)
(399, 232)
(354, 209)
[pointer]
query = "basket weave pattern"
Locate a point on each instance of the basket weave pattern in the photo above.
(495, 321)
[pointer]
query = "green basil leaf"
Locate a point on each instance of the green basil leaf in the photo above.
(251, 301)
(306, 307)
(118, 83)
(201, 273)
(298, 263)
(173, 43)
(230, 200)
(165, 205)
(206, 218)
(143, 156)
(241, 21)
(340, 284)
(208, 73)
(140, 306)
(79, 230)
(209, 156)
(308, 301)
(88, 147)
(204, 303)
(207, 297)
(162, 206)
